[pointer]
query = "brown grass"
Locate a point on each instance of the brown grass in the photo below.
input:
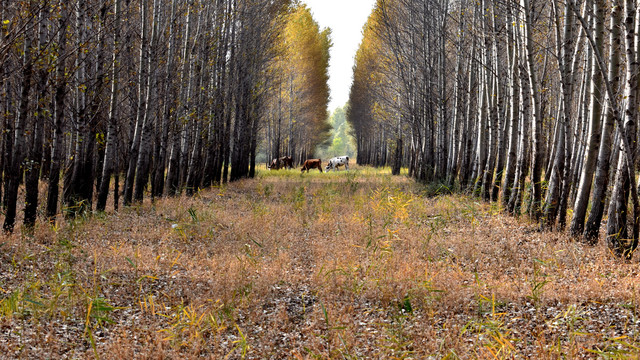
(349, 265)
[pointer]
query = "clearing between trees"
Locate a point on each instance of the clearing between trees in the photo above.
(356, 264)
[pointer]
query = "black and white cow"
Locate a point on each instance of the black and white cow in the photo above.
(336, 162)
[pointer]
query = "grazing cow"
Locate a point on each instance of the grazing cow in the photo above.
(287, 162)
(281, 163)
(336, 162)
(312, 164)
(274, 165)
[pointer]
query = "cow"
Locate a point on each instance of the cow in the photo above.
(312, 164)
(336, 162)
(274, 165)
(287, 162)
(281, 163)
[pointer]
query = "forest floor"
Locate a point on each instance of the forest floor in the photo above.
(346, 265)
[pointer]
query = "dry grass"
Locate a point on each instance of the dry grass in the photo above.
(351, 265)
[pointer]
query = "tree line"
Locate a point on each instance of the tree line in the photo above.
(532, 104)
(299, 96)
(111, 101)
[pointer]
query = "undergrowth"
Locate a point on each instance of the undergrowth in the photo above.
(350, 264)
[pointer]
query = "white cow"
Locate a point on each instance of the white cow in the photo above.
(336, 162)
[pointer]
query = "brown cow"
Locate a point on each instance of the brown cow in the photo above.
(281, 163)
(312, 164)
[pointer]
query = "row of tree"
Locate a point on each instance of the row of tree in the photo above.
(145, 97)
(530, 103)
(299, 96)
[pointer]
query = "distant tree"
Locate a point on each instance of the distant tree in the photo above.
(341, 142)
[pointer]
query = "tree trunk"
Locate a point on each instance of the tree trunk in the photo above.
(595, 128)
(482, 132)
(142, 110)
(15, 165)
(169, 104)
(144, 151)
(78, 191)
(522, 168)
(601, 181)
(555, 182)
(618, 239)
(59, 115)
(514, 98)
(536, 150)
(112, 134)
(34, 162)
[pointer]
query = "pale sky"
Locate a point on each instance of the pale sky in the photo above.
(346, 19)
